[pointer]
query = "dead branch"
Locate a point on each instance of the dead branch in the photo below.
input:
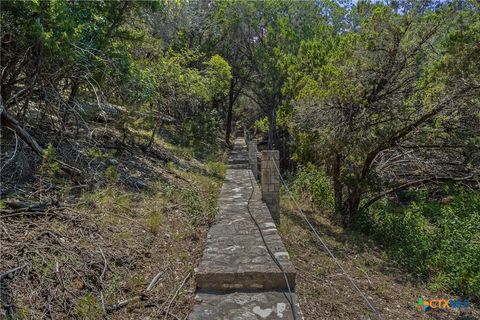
(123, 303)
(167, 311)
(14, 152)
(104, 264)
(25, 206)
(20, 208)
(412, 184)
(24, 213)
(142, 297)
(8, 272)
(10, 122)
(154, 281)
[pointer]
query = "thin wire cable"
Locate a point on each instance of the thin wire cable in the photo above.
(272, 255)
(327, 249)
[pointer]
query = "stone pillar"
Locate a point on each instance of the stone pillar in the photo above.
(270, 182)
(252, 156)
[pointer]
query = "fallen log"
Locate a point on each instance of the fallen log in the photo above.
(12, 123)
(24, 213)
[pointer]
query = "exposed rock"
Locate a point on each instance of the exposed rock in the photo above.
(99, 112)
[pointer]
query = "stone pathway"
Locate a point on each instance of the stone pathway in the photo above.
(237, 278)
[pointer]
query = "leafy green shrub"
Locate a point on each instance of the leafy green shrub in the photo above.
(200, 209)
(95, 153)
(458, 245)
(203, 128)
(112, 175)
(439, 242)
(109, 200)
(88, 308)
(312, 182)
(192, 200)
(49, 164)
(217, 169)
(154, 222)
(262, 124)
(406, 234)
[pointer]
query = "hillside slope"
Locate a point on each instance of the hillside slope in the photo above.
(120, 241)
(324, 291)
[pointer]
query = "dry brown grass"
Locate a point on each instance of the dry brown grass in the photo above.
(99, 246)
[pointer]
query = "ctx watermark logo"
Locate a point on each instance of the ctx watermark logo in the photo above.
(442, 303)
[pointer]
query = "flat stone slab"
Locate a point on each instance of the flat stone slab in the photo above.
(237, 278)
(239, 166)
(238, 158)
(235, 256)
(245, 306)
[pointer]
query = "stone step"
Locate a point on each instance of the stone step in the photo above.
(235, 255)
(237, 277)
(268, 305)
(238, 161)
(238, 158)
(239, 166)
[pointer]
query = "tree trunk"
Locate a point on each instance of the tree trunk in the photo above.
(157, 118)
(337, 185)
(73, 91)
(351, 207)
(154, 131)
(271, 129)
(231, 101)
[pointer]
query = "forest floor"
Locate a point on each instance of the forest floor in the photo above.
(325, 293)
(122, 245)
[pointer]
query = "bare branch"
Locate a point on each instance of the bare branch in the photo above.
(412, 184)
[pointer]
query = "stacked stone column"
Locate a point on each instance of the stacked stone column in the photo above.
(252, 155)
(270, 182)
